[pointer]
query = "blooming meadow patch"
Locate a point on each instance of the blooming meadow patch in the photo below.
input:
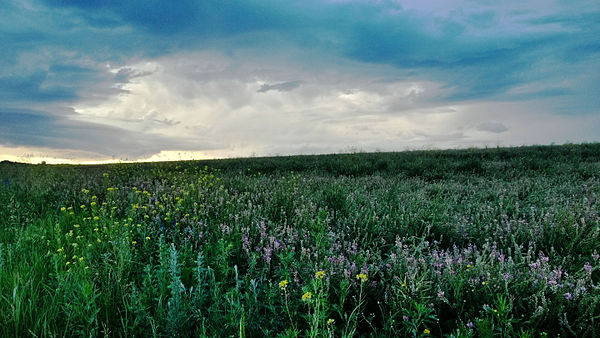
(463, 243)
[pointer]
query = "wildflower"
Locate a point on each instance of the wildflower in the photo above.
(568, 296)
(283, 285)
(330, 321)
(405, 318)
(81, 259)
(483, 283)
(469, 265)
(133, 242)
(470, 325)
(362, 277)
(96, 229)
(595, 255)
(320, 274)
(426, 331)
(76, 225)
(99, 240)
(147, 238)
(83, 206)
(60, 250)
(93, 203)
(307, 296)
(587, 267)
(63, 209)
(74, 244)
(403, 285)
(96, 218)
(105, 174)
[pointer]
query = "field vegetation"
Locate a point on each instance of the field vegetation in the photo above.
(481, 242)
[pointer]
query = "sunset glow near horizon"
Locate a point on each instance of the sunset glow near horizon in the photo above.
(99, 81)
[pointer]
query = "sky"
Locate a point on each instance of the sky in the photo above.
(85, 81)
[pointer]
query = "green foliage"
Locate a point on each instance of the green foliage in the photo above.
(462, 243)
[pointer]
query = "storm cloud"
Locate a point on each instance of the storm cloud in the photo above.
(241, 77)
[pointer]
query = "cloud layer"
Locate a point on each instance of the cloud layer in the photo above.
(130, 79)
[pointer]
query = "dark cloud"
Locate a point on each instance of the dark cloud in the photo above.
(436, 48)
(22, 127)
(280, 87)
(56, 51)
(492, 127)
(34, 87)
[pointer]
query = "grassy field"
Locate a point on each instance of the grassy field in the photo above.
(490, 242)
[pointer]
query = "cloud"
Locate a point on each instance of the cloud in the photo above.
(149, 75)
(281, 87)
(40, 129)
(492, 127)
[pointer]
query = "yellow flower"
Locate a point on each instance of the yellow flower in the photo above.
(76, 225)
(283, 284)
(83, 206)
(96, 229)
(426, 331)
(330, 321)
(63, 209)
(403, 285)
(307, 296)
(105, 174)
(362, 277)
(74, 244)
(96, 218)
(147, 238)
(483, 283)
(468, 265)
(93, 203)
(320, 274)
(60, 250)
(81, 259)
(99, 240)
(133, 242)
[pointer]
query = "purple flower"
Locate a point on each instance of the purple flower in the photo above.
(595, 255)
(587, 267)
(470, 325)
(568, 296)
(405, 318)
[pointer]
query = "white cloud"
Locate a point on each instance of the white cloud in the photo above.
(213, 103)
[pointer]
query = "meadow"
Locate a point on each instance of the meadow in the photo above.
(481, 242)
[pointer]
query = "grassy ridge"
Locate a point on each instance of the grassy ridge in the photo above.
(469, 242)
